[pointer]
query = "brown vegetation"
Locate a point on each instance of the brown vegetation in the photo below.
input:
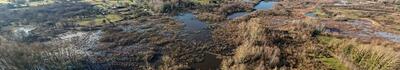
(39, 56)
(376, 55)
(280, 38)
(268, 45)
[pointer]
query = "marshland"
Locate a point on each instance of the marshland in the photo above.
(199, 34)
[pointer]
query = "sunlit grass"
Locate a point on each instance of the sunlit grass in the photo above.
(100, 20)
(4, 1)
(109, 3)
(334, 63)
(367, 56)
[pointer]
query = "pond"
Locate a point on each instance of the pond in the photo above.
(263, 5)
(191, 22)
(311, 14)
(196, 29)
(210, 62)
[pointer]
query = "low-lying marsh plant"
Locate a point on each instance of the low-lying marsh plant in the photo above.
(26, 57)
(365, 56)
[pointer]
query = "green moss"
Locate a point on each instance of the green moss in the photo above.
(353, 14)
(100, 20)
(331, 42)
(203, 2)
(110, 3)
(92, 22)
(113, 17)
(320, 13)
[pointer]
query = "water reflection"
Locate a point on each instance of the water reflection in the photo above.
(311, 14)
(389, 36)
(196, 29)
(265, 5)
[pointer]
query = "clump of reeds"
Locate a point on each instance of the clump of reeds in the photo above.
(365, 56)
(266, 46)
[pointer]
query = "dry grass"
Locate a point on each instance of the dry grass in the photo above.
(248, 56)
(366, 56)
(233, 7)
(252, 56)
(266, 45)
(169, 63)
(26, 57)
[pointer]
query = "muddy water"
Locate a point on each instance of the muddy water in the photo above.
(263, 5)
(191, 22)
(195, 29)
(210, 63)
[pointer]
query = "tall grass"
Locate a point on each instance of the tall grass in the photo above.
(249, 55)
(373, 57)
(365, 56)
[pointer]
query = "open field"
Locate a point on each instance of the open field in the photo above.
(200, 35)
